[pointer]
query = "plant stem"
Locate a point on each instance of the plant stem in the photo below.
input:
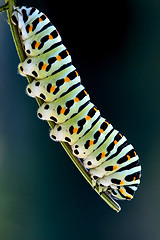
(4, 7)
(113, 204)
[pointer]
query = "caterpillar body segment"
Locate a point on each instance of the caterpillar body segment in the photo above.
(37, 44)
(28, 21)
(104, 170)
(64, 107)
(107, 149)
(90, 141)
(77, 126)
(46, 64)
(120, 151)
(111, 161)
(54, 86)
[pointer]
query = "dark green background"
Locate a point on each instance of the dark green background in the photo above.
(115, 46)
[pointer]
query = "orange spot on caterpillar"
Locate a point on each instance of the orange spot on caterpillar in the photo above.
(135, 153)
(63, 110)
(128, 157)
(76, 99)
(67, 52)
(91, 142)
(107, 122)
(40, 19)
(121, 190)
(75, 130)
(115, 167)
(101, 130)
(44, 66)
(88, 118)
(37, 44)
(115, 142)
(95, 109)
(128, 196)
(120, 135)
(134, 178)
(30, 28)
(76, 73)
(67, 79)
(59, 58)
(85, 92)
(52, 89)
(50, 37)
(103, 154)
(121, 182)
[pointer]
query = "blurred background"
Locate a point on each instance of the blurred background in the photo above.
(115, 46)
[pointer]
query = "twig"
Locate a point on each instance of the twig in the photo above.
(4, 7)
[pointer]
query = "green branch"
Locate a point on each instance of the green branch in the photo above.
(4, 7)
(66, 146)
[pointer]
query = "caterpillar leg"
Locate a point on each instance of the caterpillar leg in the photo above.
(95, 184)
(42, 42)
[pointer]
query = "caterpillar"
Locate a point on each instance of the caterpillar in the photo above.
(106, 154)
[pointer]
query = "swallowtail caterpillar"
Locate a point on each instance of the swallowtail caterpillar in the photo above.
(111, 161)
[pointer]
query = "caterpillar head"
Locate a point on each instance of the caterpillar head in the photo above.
(15, 16)
(20, 17)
